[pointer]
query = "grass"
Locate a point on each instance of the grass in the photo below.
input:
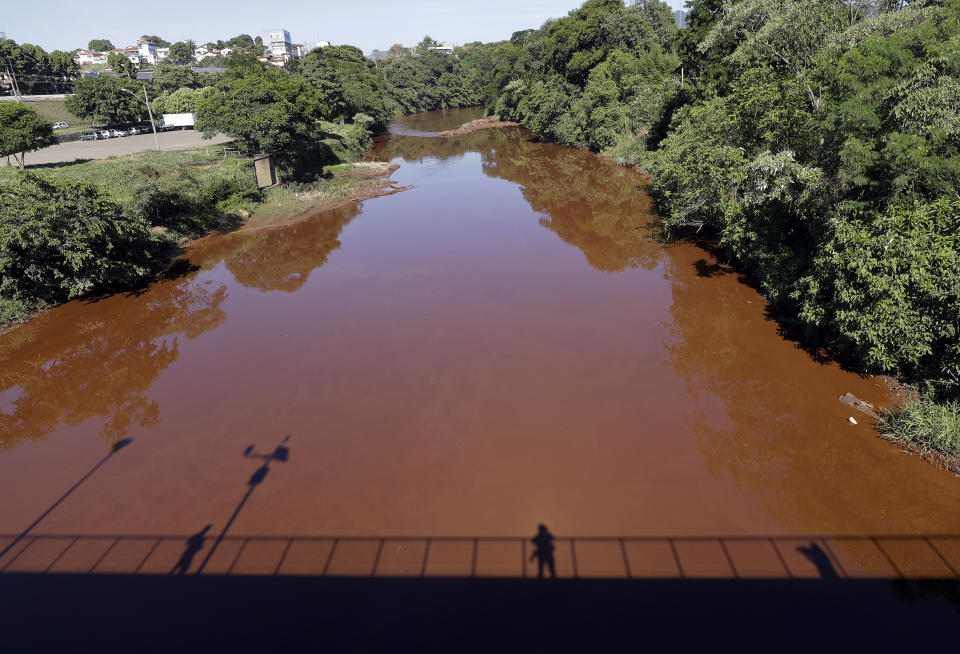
(928, 428)
(56, 112)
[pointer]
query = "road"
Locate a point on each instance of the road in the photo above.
(66, 152)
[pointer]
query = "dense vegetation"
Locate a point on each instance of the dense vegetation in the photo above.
(818, 139)
(36, 70)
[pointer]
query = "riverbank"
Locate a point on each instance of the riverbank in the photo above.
(181, 197)
(489, 122)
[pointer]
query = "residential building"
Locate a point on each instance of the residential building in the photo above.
(278, 43)
(148, 51)
(87, 57)
(298, 51)
(443, 47)
(162, 53)
(323, 44)
(201, 52)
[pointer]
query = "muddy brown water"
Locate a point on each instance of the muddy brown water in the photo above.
(501, 345)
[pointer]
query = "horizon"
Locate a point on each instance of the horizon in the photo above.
(335, 21)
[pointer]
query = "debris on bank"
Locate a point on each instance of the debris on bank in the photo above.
(859, 405)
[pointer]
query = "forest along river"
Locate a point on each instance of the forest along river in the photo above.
(501, 345)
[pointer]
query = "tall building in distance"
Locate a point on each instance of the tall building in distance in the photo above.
(279, 43)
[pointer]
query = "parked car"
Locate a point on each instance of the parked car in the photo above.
(131, 131)
(117, 133)
(104, 134)
(88, 136)
(60, 126)
(144, 129)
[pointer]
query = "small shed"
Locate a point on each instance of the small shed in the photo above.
(265, 170)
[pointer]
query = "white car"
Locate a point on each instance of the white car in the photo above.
(60, 126)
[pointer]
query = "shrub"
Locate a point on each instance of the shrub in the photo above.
(61, 238)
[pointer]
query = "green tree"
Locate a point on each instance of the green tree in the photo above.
(61, 238)
(181, 101)
(100, 45)
(121, 65)
(63, 64)
(266, 109)
(160, 43)
(22, 130)
(349, 83)
(106, 100)
(168, 77)
(181, 52)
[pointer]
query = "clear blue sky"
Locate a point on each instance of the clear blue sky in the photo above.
(368, 24)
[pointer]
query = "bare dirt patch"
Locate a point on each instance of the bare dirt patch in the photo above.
(478, 124)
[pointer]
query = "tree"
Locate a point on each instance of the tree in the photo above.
(100, 45)
(106, 100)
(168, 77)
(242, 42)
(121, 65)
(160, 43)
(63, 64)
(660, 17)
(266, 110)
(349, 83)
(181, 52)
(181, 101)
(60, 238)
(22, 130)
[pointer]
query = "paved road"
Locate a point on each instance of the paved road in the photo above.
(64, 152)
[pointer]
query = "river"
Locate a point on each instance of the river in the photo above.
(505, 343)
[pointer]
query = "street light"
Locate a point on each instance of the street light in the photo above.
(146, 101)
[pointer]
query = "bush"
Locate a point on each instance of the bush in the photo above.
(61, 238)
(926, 427)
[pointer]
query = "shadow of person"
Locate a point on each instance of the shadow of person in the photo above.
(194, 545)
(819, 558)
(543, 552)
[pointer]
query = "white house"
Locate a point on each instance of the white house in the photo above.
(90, 57)
(147, 51)
(299, 51)
(201, 52)
(323, 44)
(443, 47)
(162, 53)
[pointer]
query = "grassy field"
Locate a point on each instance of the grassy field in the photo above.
(56, 112)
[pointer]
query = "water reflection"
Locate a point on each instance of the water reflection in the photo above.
(279, 259)
(103, 363)
(590, 204)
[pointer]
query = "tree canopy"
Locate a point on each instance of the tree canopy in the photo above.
(181, 52)
(107, 100)
(100, 45)
(22, 130)
(266, 110)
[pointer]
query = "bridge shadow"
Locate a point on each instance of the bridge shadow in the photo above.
(224, 613)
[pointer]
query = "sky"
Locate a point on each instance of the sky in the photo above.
(367, 24)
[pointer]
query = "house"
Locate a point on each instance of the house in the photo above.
(132, 53)
(201, 52)
(280, 62)
(323, 44)
(148, 51)
(226, 52)
(443, 47)
(298, 51)
(88, 57)
(162, 53)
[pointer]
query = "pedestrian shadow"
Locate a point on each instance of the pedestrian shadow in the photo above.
(820, 559)
(543, 552)
(194, 544)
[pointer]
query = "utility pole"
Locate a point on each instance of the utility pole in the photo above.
(156, 139)
(146, 101)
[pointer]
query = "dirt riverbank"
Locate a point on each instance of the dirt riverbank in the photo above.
(476, 125)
